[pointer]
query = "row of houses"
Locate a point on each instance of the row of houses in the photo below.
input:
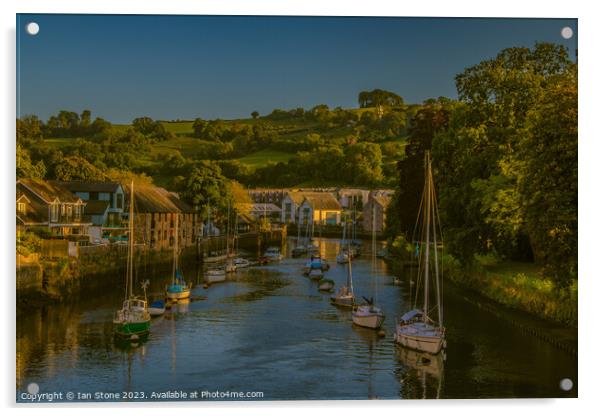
(95, 212)
(324, 206)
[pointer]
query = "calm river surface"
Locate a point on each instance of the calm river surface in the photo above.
(268, 329)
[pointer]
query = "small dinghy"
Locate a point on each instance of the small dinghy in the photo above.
(215, 275)
(326, 284)
(241, 263)
(316, 274)
(157, 308)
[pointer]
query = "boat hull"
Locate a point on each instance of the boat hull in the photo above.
(342, 302)
(215, 278)
(326, 286)
(156, 311)
(184, 294)
(373, 321)
(127, 329)
(431, 344)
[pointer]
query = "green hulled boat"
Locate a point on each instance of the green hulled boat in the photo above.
(133, 319)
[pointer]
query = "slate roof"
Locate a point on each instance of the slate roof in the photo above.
(48, 191)
(152, 199)
(83, 186)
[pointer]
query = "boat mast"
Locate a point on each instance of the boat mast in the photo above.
(437, 283)
(373, 259)
(428, 236)
(175, 252)
(349, 272)
(228, 232)
(130, 266)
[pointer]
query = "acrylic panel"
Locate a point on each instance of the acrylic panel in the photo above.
(295, 208)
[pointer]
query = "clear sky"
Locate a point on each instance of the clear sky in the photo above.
(170, 67)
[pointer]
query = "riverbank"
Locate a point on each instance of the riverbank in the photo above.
(517, 285)
(48, 281)
(518, 294)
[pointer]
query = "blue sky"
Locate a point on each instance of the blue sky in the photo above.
(170, 67)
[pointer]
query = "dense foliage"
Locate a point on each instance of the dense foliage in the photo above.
(505, 159)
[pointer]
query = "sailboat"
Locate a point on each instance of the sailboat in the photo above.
(299, 249)
(345, 297)
(213, 256)
(368, 314)
(344, 253)
(178, 289)
(133, 319)
(419, 328)
(230, 265)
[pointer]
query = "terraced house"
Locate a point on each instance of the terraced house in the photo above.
(316, 207)
(50, 208)
(155, 214)
(105, 202)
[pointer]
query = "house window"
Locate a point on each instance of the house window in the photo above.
(93, 196)
(54, 213)
(119, 201)
(21, 207)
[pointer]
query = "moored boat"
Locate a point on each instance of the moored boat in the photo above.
(416, 329)
(241, 263)
(368, 315)
(133, 319)
(216, 275)
(345, 297)
(157, 308)
(273, 254)
(316, 274)
(178, 289)
(325, 284)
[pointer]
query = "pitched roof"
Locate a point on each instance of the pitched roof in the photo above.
(36, 210)
(84, 186)
(152, 199)
(322, 201)
(173, 197)
(318, 200)
(382, 200)
(48, 191)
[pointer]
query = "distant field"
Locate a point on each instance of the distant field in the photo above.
(188, 146)
(263, 157)
(181, 128)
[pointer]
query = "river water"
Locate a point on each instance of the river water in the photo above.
(269, 330)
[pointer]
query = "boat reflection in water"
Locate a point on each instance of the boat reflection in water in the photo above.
(421, 373)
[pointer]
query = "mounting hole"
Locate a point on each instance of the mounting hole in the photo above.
(33, 388)
(566, 32)
(32, 28)
(566, 384)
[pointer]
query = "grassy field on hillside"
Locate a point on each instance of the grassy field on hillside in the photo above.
(263, 157)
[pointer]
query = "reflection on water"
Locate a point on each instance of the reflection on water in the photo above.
(269, 329)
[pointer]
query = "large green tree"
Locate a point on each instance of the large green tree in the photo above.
(486, 162)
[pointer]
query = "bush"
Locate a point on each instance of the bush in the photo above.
(28, 243)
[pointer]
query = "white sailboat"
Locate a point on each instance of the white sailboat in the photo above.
(345, 297)
(344, 253)
(133, 319)
(368, 314)
(215, 275)
(420, 328)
